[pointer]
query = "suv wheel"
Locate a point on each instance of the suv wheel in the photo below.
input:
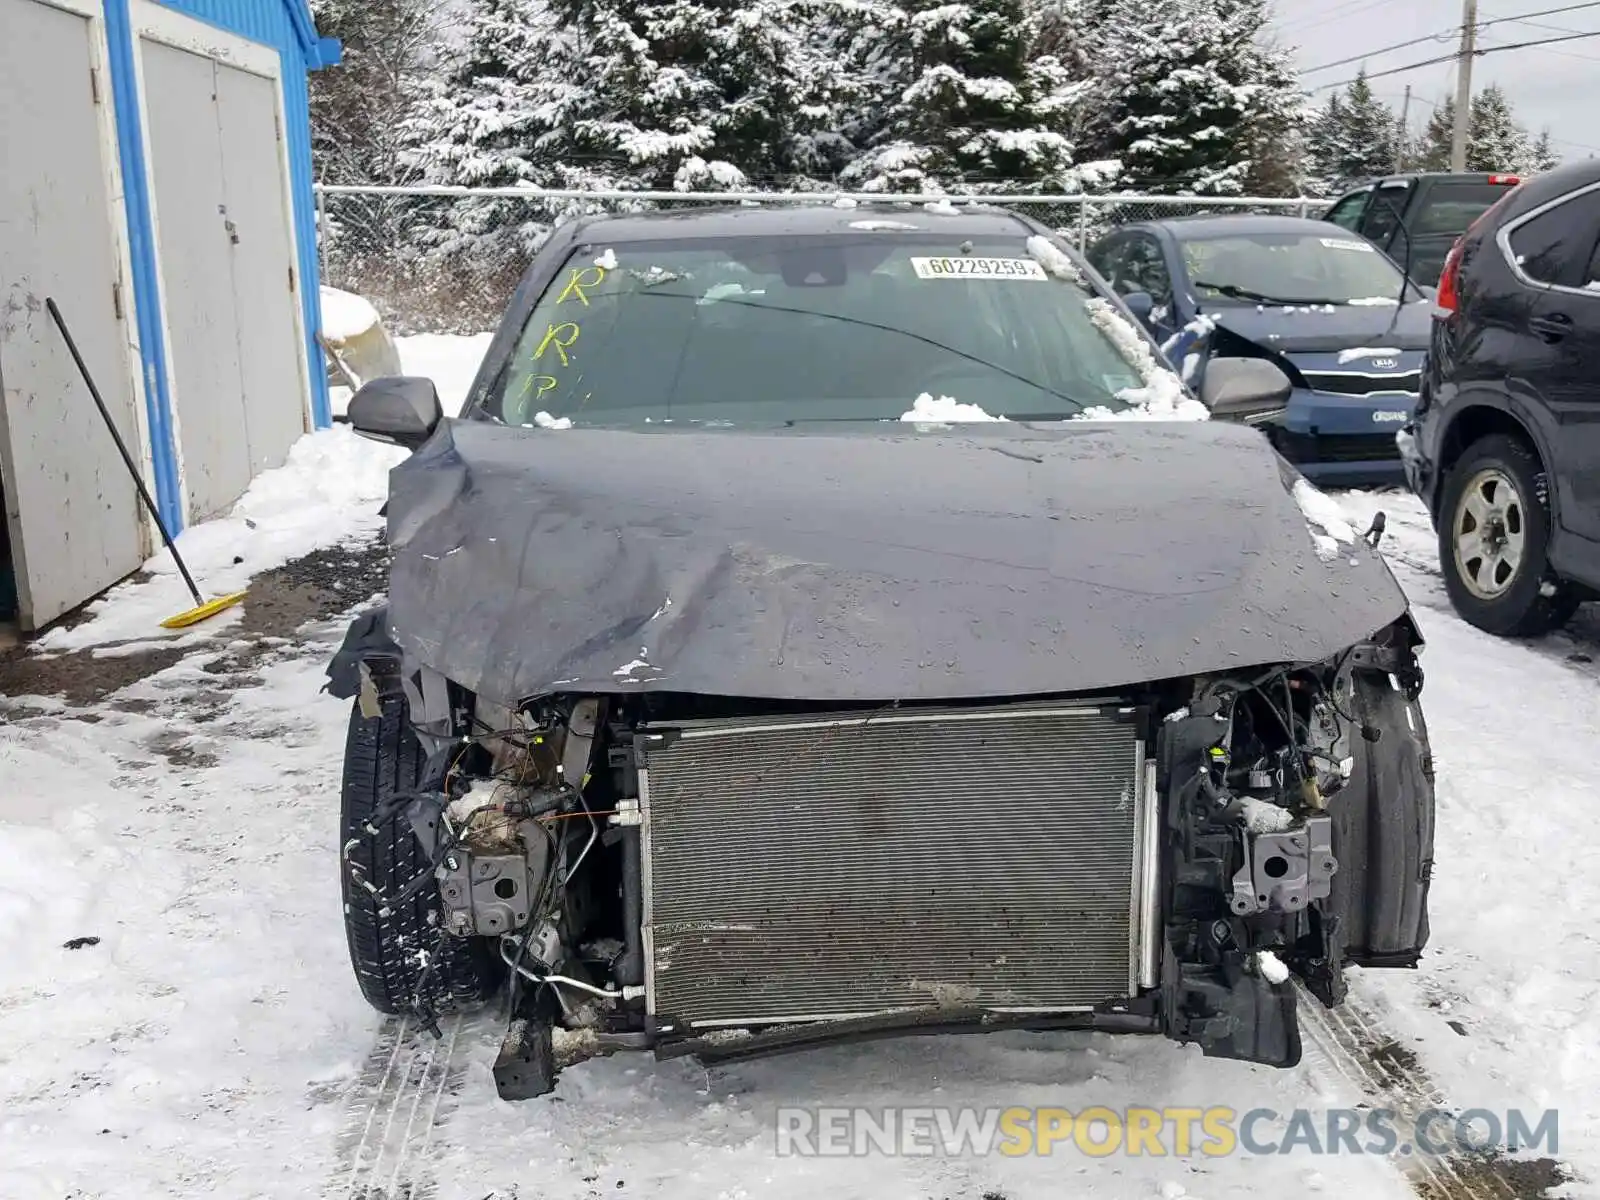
(389, 945)
(1494, 530)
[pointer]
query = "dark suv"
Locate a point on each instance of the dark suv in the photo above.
(1505, 444)
(1418, 217)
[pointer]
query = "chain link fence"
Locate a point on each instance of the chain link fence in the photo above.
(446, 259)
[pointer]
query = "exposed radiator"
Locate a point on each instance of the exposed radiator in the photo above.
(834, 866)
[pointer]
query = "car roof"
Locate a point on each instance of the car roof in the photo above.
(1551, 185)
(789, 219)
(1209, 225)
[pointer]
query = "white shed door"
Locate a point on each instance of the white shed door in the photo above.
(227, 258)
(71, 509)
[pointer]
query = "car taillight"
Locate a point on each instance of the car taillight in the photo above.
(1507, 180)
(1449, 295)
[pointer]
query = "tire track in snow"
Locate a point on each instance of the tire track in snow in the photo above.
(1350, 1044)
(404, 1092)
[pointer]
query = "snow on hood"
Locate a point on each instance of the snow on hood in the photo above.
(607, 261)
(875, 226)
(1375, 301)
(545, 421)
(944, 410)
(1355, 352)
(1325, 518)
(345, 315)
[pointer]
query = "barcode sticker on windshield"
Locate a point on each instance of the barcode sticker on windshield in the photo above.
(967, 267)
(1346, 244)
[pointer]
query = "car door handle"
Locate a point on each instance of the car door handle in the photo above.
(1552, 328)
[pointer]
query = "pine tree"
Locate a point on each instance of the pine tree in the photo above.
(1495, 142)
(1354, 138)
(1190, 96)
(1541, 156)
(963, 104)
(358, 115)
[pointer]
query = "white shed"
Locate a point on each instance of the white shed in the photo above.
(157, 185)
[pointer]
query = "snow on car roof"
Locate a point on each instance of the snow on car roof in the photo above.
(789, 219)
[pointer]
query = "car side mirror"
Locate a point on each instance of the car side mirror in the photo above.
(1141, 305)
(1244, 389)
(401, 409)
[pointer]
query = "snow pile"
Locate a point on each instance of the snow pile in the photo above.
(345, 315)
(328, 492)
(943, 411)
(1054, 260)
(1163, 396)
(545, 421)
(1271, 967)
(1325, 519)
(607, 261)
(942, 208)
(450, 360)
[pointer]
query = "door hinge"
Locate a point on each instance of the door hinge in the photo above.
(291, 279)
(116, 299)
(94, 83)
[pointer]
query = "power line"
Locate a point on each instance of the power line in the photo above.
(1563, 53)
(1432, 37)
(1445, 33)
(1428, 62)
(1332, 14)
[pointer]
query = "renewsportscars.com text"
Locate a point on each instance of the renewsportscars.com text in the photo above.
(1157, 1132)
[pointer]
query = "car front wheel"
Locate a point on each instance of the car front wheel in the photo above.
(1494, 532)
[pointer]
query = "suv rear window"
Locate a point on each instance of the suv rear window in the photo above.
(1448, 208)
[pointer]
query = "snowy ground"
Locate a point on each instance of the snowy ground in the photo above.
(212, 1043)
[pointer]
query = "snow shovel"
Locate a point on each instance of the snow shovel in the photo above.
(202, 608)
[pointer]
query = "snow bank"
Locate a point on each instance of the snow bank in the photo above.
(450, 360)
(345, 315)
(328, 492)
(944, 410)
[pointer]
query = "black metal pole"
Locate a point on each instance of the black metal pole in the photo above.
(133, 469)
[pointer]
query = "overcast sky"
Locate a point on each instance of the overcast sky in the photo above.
(1556, 86)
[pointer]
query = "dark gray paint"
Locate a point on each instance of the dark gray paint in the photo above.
(862, 562)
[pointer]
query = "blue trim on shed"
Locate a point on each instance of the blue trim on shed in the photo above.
(141, 246)
(287, 27)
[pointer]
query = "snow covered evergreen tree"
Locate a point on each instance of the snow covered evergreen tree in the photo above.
(1542, 156)
(964, 103)
(1354, 137)
(1190, 95)
(1495, 142)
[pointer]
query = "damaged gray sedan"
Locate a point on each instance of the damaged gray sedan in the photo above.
(830, 623)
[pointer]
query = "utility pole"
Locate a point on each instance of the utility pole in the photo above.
(1402, 132)
(1469, 47)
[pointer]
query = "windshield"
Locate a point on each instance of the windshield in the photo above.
(781, 330)
(1290, 269)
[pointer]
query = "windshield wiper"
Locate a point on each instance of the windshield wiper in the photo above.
(1238, 293)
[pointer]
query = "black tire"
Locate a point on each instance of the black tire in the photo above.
(1523, 608)
(382, 756)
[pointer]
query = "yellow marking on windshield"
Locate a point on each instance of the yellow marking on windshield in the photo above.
(553, 337)
(582, 277)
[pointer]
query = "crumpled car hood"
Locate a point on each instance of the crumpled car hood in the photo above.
(869, 563)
